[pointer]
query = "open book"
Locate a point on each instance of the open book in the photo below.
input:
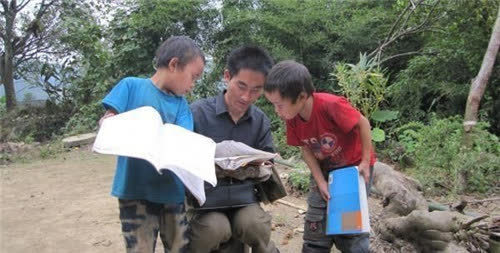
(231, 155)
(140, 133)
(347, 211)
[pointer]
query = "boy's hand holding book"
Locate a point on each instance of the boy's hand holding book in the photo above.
(364, 170)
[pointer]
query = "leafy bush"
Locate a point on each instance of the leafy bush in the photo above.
(3, 107)
(439, 155)
(439, 79)
(364, 84)
(51, 150)
(300, 178)
(85, 120)
(278, 129)
(34, 124)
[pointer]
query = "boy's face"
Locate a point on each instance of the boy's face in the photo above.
(243, 89)
(184, 78)
(284, 107)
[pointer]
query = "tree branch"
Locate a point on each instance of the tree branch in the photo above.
(30, 31)
(391, 37)
(402, 31)
(399, 55)
(21, 5)
(5, 5)
(2, 34)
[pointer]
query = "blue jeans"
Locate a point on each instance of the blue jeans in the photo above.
(142, 220)
(315, 238)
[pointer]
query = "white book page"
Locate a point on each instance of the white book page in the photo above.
(190, 156)
(231, 155)
(140, 133)
(133, 134)
(365, 216)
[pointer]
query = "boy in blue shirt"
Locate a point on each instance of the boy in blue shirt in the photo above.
(150, 202)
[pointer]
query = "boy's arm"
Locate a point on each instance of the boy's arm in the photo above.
(313, 165)
(107, 114)
(366, 147)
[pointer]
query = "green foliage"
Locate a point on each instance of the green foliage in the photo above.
(316, 33)
(30, 124)
(50, 150)
(439, 79)
(278, 129)
(299, 178)
(439, 155)
(378, 135)
(3, 107)
(137, 31)
(279, 136)
(364, 85)
(85, 120)
(384, 115)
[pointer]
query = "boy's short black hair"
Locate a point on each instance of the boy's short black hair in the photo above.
(289, 78)
(249, 57)
(181, 47)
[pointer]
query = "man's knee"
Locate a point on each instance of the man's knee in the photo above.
(252, 220)
(208, 231)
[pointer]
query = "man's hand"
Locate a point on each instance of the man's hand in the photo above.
(364, 170)
(323, 190)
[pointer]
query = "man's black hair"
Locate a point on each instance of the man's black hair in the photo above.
(249, 57)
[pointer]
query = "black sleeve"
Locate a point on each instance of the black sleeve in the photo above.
(265, 140)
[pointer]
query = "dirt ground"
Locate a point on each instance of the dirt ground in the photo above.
(63, 205)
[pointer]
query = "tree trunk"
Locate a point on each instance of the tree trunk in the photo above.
(476, 92)
(481, 80)
(8, 81)
(7, 59)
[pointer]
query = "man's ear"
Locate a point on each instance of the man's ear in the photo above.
(227, 75)
(173, 64)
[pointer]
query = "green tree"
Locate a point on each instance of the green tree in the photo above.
(438, 80)
(24, 34)
(317, 33)
(136, 32)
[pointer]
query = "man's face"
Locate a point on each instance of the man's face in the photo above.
(284, 107)
(243, 89)
(185, 78)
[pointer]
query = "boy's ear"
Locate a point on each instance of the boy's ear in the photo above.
(302, 96)
(227, 75)
(173, 64)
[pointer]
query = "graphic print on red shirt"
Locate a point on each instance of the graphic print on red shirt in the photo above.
(330, 132)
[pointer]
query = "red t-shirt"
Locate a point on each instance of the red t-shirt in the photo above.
(329, 132)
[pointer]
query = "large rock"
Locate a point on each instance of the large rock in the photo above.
(79, 140)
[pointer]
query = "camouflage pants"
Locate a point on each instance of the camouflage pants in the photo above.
(315, 238)
(142, 220)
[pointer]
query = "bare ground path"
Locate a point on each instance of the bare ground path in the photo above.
(63, 205)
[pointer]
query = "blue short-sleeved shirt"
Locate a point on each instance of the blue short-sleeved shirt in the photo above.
(137, 178)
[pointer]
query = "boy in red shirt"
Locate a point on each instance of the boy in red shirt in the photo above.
(331, 134)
